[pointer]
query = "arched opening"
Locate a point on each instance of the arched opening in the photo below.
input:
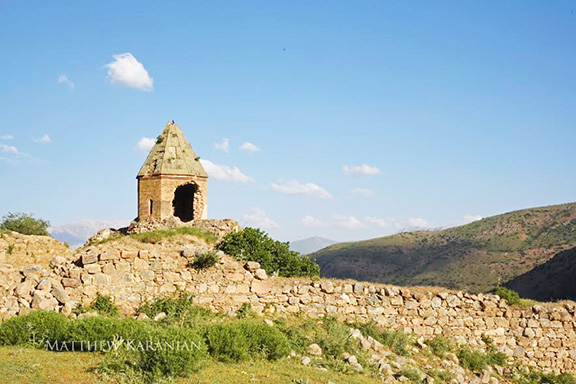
(151, 203)
(183, 202)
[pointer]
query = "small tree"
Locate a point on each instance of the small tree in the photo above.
(24, 223)
(252, 244)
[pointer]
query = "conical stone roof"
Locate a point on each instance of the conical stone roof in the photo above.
(172, 155)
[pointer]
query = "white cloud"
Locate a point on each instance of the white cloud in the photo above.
(471, 218)
(311, 222)
(225, 173)
(364, 192)
(338, 221)
(376, 221)
(9, 149)
(293, 187)
(360, 170)
(223, 146)
(347, 222)
(145, 144)
(258, 218)
(126, 70)
(249, 147)
(6, 137)
(42, 140)
(419, 222)
(63, 79)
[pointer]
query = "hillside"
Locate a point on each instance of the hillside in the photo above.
(474, 257)
(553, 280)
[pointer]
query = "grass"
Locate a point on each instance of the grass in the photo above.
(157, 236)
(102, 304)
(397, 341)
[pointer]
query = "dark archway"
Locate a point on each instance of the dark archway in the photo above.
(183, 202)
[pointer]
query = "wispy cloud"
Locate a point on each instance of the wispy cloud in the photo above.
(128, 71)
(293, 187)
(145, 144)
(6, 137)
(223, 146)
(258, 218)
(9, 149)
(337, 221)
(63, 79)
(249, 147)
(376, 221)
(225, 173)
(360, 170)
(364, 192)
(419, 222)
(42, 140)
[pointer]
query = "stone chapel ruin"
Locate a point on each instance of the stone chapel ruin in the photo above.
(172, 182)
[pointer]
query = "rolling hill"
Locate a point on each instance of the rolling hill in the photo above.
(311, 244)
(475, 257)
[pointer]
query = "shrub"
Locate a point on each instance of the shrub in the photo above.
(178, 309)
(104, 305)
(546, 378)
(439, 346)
(24, 223)
(255, 245)
(36, 329)
(241, 340)
(336, 339)
(473, 360)
(411, 374)
(206, 259)
(512, 297)
(398, 341)
(245, 311)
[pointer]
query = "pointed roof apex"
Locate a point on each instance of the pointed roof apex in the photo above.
(172, 155)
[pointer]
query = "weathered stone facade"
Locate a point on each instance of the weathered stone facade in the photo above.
(172, 181)
(132, 273)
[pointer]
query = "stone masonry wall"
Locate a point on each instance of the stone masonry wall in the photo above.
(132, 273)
(160, 189)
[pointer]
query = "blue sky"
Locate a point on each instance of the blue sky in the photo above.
(370, 116)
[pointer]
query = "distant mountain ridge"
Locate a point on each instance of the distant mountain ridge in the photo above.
(76, 234)
(475, 257)
(311, 244)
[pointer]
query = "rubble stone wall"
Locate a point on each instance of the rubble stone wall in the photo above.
(541, 335)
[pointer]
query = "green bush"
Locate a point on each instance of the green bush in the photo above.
(242, 340)
(473, 360)
(104, 305)
(439, 346)
(336, 339)
(511, 297)
(24, 223)
(412, 374)
(35, 329)
(245, 311)
(252, 244)
(398, 341)
(206, 259)
(546, 378)
(178, 309)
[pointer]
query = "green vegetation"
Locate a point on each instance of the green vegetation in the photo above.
(24, 223)
(245, 311)
(397, 341)
(546, 378)
(157, 236)
(439, 346)
(205, 260)
(255, 245)
(476, 257)
(102, 304)
(511, 297)
(10, 249)
(412, 374)
(476, 360)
